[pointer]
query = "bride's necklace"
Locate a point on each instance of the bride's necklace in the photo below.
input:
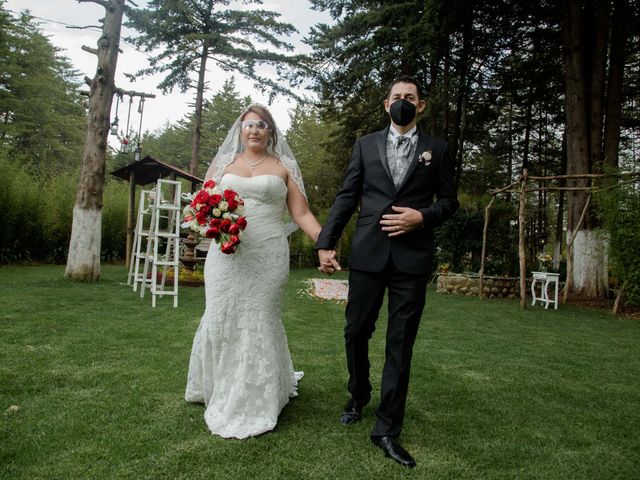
(254, 164)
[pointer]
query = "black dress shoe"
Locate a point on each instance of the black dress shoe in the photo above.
(391, 449)
(352, 412)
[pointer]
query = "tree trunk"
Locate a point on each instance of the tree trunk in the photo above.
(614, 87)
(462, 93)
(557, 245)
(589, 251)
(521, 242)
(83, 261)
(197, 117)
(598, 66)
(590, 260)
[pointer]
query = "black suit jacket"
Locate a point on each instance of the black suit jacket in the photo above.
(368, 183)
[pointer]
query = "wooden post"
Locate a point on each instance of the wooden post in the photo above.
(484, 245)
(131, 211)
(521, 247)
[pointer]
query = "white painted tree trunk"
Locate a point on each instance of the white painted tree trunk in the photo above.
(590, 263)
(83, 262)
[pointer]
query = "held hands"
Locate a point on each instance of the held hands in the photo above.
(328, 262)
(405, 220)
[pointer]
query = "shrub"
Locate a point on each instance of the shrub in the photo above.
(114, 220)
(21, 213)
(59, 203)
(459, 240)
(618, 208)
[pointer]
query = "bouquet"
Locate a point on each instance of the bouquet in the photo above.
(216, 214)
(545, 261)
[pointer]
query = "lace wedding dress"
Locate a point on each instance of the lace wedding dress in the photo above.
(240, 365)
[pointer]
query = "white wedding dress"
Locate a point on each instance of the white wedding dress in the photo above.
(240, 365)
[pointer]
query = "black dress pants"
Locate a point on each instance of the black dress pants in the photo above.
(406, 302)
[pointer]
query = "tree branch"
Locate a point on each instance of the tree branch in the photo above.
(89, 49)
(104, 3)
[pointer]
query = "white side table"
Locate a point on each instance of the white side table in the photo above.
(546, 279)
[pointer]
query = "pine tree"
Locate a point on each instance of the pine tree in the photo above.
(190, 33)
(41, 112)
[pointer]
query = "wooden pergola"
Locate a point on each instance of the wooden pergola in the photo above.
(143, 172)
(520, 187)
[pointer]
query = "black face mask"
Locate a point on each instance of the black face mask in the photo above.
(402, 112)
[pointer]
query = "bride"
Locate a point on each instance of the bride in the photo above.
(240, 365)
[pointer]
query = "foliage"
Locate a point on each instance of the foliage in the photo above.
(114, 220)
(475, 60)
(42, 119)
(92, 384)
(183, 35)
(459, 240)
(20, 213)
(172, 143)
(618, 208)
(36, 215)
(234, 39)
(494, 81)
(309, 137)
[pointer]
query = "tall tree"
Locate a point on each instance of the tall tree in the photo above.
(192, 32)
(41, 112)
(173, 141)
(83, 262)
(595, 37)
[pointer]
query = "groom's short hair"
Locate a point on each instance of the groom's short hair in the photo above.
(406, 79)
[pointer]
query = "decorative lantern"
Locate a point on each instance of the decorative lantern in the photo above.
(114, 127)
(125, 146)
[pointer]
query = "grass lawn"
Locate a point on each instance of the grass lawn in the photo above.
(92, 381)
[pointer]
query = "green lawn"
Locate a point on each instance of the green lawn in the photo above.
(92, 381)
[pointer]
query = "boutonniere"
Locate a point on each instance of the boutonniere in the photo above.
(425, 158)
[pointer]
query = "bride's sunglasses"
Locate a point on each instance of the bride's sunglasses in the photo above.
(259, 124)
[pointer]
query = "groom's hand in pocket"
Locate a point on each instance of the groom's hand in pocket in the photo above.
(328, 262)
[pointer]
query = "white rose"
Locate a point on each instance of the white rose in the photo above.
(223, 206)
(240, 209)
(216, 212)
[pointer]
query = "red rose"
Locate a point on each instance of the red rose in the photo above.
(234, 239)
(201, 197)
(209, 184)
(224, 225)
(214, 222)
(215, 199)
(234, 229)
(229, 195)
(204, 209)
(201, 218)
(233, 204)
(228, 247)
(241, 222)
(213, 232)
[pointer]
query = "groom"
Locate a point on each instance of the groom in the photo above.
(393, 176)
